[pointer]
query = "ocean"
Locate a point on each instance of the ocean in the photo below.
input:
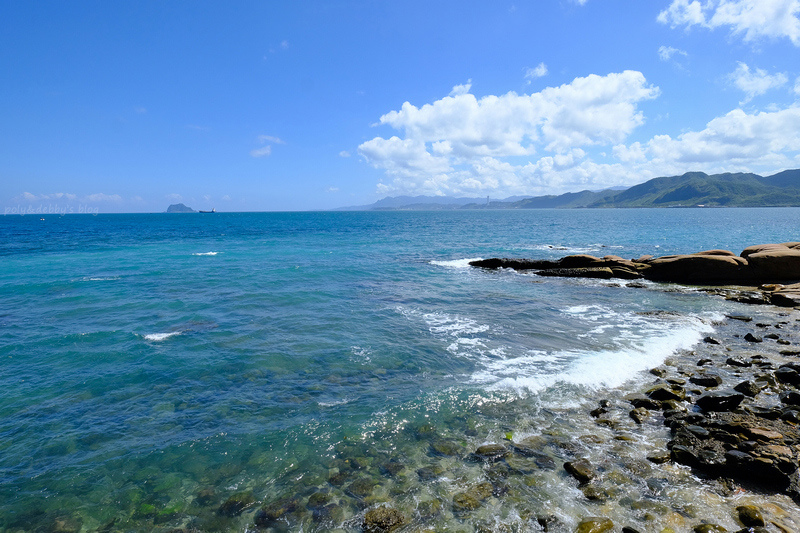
(168, 371)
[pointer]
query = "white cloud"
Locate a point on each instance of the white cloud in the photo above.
(102, 197)
(797, 86)
(459, 144)
(539, 71)
(226, 198)
(753, 19)
(757, 82)
(665, 53)
(332, 189)
(764, 139)
(344, 153)
(174, 197)
(265, 151)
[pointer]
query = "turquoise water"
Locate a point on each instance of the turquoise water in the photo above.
(154, 365)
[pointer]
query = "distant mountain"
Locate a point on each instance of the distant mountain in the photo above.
(688, 190)
(423, 203)
(180, 208)
(718, 190)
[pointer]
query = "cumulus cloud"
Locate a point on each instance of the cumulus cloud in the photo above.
(755, 82)
(753, 19)
(539, 71)
(463, 144)
(766, 139)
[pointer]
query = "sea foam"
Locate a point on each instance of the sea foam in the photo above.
(157, 337)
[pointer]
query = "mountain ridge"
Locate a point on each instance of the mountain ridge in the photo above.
(691, 189)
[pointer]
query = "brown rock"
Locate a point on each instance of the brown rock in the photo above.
(382, 520)
(712, 269)
(776, 264)
(594, 524)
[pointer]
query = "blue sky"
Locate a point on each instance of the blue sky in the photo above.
(253, 106)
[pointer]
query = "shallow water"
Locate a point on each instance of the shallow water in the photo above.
(154, 365)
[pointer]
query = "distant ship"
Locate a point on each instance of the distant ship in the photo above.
(212, 211)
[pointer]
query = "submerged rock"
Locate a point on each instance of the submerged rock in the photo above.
(382, 520)
(581, 470)
(594, 524)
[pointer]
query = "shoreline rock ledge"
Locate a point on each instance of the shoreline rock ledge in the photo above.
(774, 268)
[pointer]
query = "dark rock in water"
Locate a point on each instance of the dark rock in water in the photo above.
(382, 520)
(722, 400)
(549, 523)
(318, 499)
(272, 512)
(581, 470)
(736, 361)
(489, 453)
(463, 502)
(429, 473)
(627, 529)
(750, 516)
(445, 447)
(361, 487)
(206, 496)
(790, 398)
(706, 380)
(787, 375)
(664, 392)
(594, 524)
(236, 504)
(703, 362)
(709, 528)
(515, 264)
(599, 273)
(391, 468)
(710, 340)
(748, 388)
(741, 318)
(640, 400)
(659, 457)
(639, 414)
(752, 338)
(595, 493)
(429, 508)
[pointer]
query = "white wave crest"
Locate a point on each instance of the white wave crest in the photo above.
(158, 337)
(205, 253)
(456, 263)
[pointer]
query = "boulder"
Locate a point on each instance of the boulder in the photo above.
(698, 269)
(776, 264)
(579, 272)
(581, 470)
(721, 400)
(594, 524)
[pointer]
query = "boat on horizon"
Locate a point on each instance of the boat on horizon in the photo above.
(213, 210)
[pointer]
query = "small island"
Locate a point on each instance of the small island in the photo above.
(180, 208)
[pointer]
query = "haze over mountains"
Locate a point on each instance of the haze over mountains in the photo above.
(692, 189)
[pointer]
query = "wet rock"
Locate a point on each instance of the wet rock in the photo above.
(489, 453)
(275, 511)
(628, 529)
(664, 392)
(790, 398)
(709, 528)
(706, 380)
(740, 318)
(391, 468)
(429, 508)
(206, 496)
(549, 523)
(750, 516)
(594, 524)
(585, 272)
(429, 473)
(581, 470)
(704, 362)
(659, 457)
(382, 520)
(710, 340)
(640, 400)
(738, 362)
(463, 502)
(787, 375)
(318, 499)
(722, 400)
(595, 493)
(236, 504)
(445, 447)
(748, 388)
(361, 487)
(639, 414)
(752, 338)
